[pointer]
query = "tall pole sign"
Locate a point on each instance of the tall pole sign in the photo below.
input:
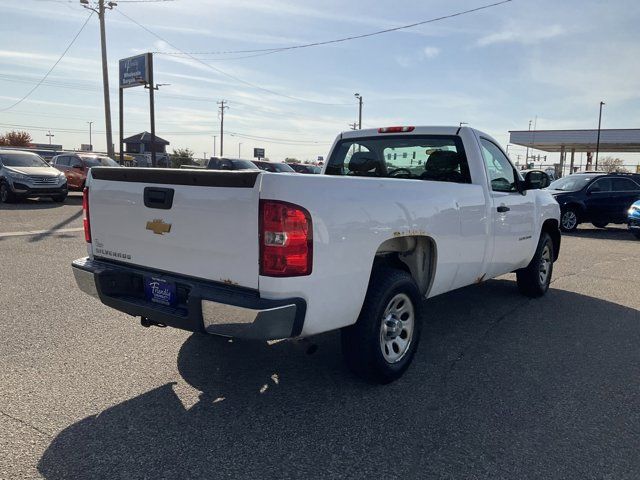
(135, 72)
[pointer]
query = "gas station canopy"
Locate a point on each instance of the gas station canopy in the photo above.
(611, 140)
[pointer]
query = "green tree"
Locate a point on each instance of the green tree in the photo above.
(181, 156)
(291, 160)
(15, 138)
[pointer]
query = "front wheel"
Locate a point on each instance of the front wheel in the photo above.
(59, 198)
(534, 279)
(569, 220)
(380, 346)
(600, 224)
(636, 233)
(6, 195)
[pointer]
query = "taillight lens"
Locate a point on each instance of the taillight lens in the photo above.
(85, 222)
(286, 240)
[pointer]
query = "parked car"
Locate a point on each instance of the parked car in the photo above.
(26, 174)
(302, 168)
(274, 167)
(633, 219)
(598, 198)
(75, 166)
(216, 163)
(401, 214)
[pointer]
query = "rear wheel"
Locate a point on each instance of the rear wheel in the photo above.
(569, 220)
(637, 234)
(382, 343)
(534, 280)
(600, 224)
(6, 195)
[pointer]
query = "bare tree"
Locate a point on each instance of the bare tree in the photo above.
(611, 165)
(15, 138)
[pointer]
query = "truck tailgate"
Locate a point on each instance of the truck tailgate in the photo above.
(202, 224)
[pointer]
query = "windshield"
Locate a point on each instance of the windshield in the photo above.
(243, 165)
(572, 183)
(22, 159)
(282, 167)
(100, 162)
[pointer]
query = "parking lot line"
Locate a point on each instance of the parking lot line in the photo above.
(40, 232)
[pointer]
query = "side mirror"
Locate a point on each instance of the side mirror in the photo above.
(536, 179)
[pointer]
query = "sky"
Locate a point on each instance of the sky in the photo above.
(496, 69)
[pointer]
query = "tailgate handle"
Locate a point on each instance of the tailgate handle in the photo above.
(161, 198)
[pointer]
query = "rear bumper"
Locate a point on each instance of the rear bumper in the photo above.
(203, 306)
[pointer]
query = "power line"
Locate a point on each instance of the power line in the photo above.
(268, 51)
(226, 74)
(51, 69)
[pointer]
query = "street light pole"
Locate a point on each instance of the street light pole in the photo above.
(598, 141)
(359, 97)
(90, 142)
(526, 159)
(50, 135)
(239, 145)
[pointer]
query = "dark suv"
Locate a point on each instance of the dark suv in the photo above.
(598, 198)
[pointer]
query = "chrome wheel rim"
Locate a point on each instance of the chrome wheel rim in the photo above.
(569, 220)
(545, 265)
(396, 329)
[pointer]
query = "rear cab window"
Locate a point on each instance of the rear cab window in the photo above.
(413, 157)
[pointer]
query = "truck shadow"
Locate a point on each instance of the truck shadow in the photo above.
(488, 386)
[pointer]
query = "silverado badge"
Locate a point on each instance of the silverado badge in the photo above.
(158, 227)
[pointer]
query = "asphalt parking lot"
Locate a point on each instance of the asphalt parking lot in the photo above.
(502, 386)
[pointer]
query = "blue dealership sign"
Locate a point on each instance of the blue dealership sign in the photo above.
(134, 71)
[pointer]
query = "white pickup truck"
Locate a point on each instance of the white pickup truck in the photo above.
(399, 214)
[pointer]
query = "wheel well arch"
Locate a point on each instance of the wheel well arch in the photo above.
(415, 254)
(577, 207)
(552, 227)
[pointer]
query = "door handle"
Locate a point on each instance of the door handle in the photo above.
(503, 209)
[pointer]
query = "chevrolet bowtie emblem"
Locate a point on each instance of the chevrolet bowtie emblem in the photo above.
(158, 227)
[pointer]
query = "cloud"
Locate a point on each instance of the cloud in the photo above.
(522, 35)
(430, 52)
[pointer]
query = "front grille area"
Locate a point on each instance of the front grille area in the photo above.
(40, 180)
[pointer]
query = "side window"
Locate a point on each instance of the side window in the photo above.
(624, 185)
(63, 161)
(74, 162)
(214, 164)
(601, 185)
(225, 165)
(502, 175)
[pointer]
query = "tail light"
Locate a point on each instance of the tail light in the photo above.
(396, 129)
(286, 240)
(85, 221)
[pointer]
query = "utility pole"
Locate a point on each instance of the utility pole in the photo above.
(239, 145)
(359, 97)
(90, 143)
(105, 70)
(526, 160)
(598, 141)
(50, 135)
(222, 108)
(354, 126)
(214, 145)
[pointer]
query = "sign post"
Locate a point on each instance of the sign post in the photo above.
(134, 72)
(258, 153)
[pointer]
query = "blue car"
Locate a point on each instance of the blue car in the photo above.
(634, 219)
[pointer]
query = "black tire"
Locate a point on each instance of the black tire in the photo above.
(531, 280)
(569, 219)
(362, 342)
(59, 198)
(637, 234)
(6, 195)
(600, 224)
